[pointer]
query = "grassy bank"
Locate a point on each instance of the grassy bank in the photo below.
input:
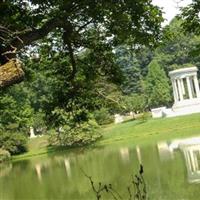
(130, 133)
(152, 130)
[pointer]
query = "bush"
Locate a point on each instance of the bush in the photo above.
(39, 123)
(103, 117)
(134, 102)
(15, 143)
(144, 117)
(83, 134)
(4, 155)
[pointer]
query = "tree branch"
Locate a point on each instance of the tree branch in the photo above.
(66, 39)
(26, 38)
(11, 73)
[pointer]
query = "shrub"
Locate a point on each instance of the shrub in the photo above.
(15, 143)
(103, 117)
(39, 123)
(135, 103)
(83, 134)
(144, 116)
(4, 155)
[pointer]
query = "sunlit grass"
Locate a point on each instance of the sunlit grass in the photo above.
(152, 130)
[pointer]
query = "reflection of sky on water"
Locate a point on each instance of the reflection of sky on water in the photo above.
(190, 148)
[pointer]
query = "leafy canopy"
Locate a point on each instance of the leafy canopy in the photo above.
(78, 22)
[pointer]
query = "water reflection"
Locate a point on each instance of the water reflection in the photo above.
(124, 152)
(67, 166)
(170, 168)
(192, 158)
(38, 168)
(139, 154)
(164, 150)
(41, 167)
(190, 148)
(5, 168)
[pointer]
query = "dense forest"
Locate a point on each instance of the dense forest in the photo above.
(84, 62)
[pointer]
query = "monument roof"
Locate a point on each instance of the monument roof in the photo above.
(181, 71)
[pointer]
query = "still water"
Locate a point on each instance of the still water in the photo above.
(171, 172)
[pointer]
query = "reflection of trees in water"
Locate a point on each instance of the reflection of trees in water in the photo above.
(5, 168)
(136, 189)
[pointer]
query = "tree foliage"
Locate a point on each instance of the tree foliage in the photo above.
(157, 87)
(85, 61)
(93, 25)
(191, 18)
(177, 47)
(129, 64)
(15, 143)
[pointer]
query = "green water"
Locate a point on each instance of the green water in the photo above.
(171, 172)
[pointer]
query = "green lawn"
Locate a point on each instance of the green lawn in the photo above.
(132, 132)
(152, 130)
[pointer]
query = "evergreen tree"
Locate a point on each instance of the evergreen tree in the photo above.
(128, 63)
(157, 87)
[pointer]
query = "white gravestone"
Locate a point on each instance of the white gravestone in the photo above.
(32, 133)
(118, 119)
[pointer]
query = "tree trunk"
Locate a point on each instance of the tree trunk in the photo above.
(11, 73)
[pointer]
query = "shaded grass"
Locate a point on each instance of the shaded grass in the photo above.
(36, 146)
(129, 133)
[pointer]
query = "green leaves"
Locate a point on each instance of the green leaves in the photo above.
(83, 134)
(15, 109)
(191, 17)
(15, 143)
(157, 87)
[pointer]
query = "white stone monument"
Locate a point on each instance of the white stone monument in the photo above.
(186, 94)
(32, 133)
(118, 119)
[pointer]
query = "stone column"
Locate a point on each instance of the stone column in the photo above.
(192, 86)
(180, 90)
(182, 86)
(196, 85)
(175, 92)
(189, 87)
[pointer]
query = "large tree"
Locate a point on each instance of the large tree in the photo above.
(157, 89)
(177, 48)
(130, 67)
(79, 24)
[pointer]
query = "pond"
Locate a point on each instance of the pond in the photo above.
(171, 172)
